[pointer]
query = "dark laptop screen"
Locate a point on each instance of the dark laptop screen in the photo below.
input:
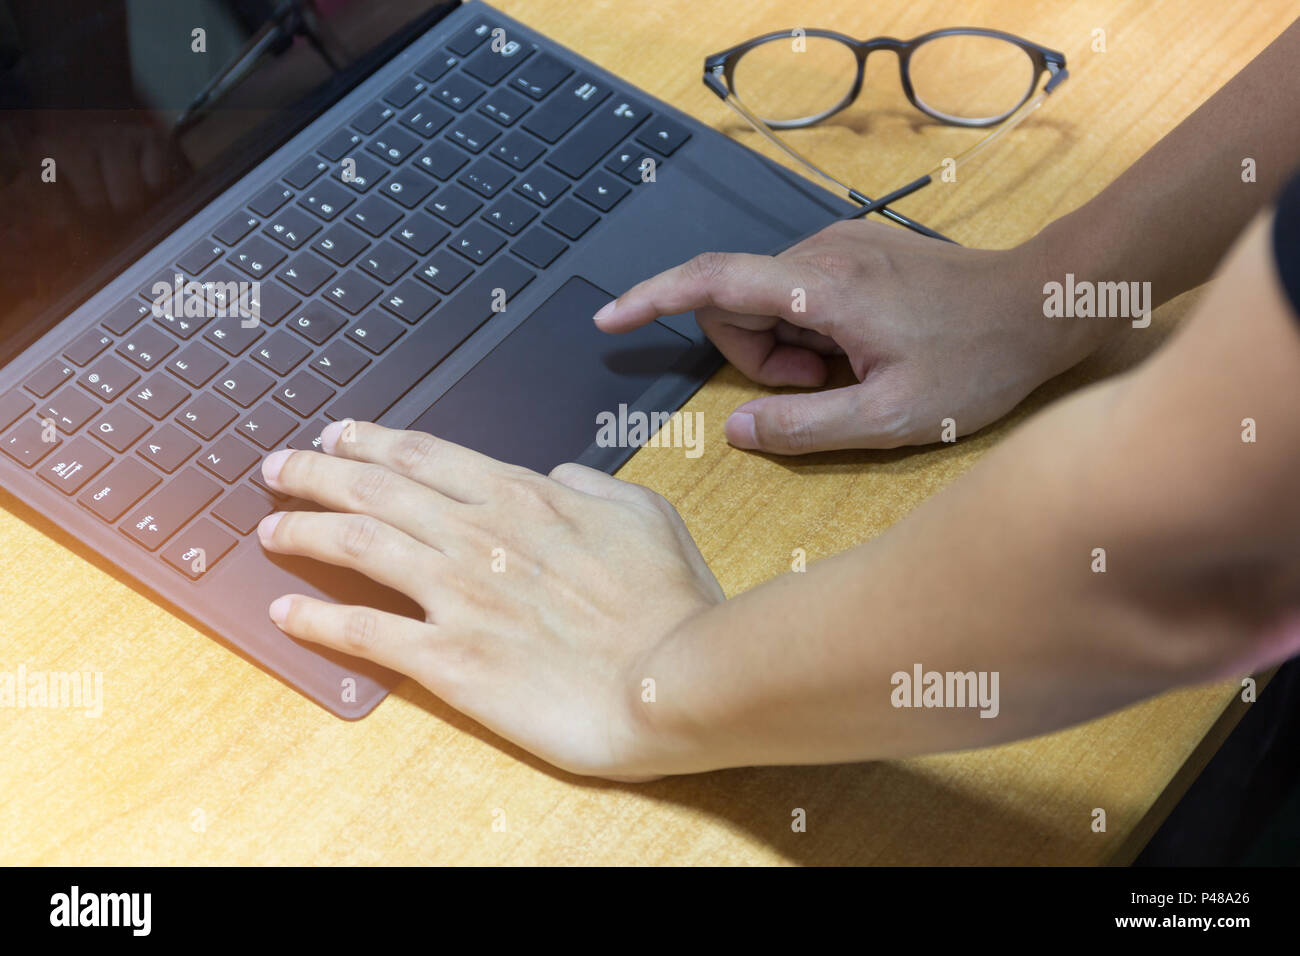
(119, 118)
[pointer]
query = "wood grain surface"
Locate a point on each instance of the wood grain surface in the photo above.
(201, 757)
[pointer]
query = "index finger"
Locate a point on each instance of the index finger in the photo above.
(733, 281)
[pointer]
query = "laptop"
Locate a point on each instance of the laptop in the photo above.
(417, 236)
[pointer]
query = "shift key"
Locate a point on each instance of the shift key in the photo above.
(165, 511)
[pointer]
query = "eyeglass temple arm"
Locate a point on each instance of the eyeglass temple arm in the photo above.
(714, 83)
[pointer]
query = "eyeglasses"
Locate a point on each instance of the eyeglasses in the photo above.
(963, 77)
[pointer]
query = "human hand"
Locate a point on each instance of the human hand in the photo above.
(931, 331)
(542, 595)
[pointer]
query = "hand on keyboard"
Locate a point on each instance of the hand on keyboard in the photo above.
(542, 595)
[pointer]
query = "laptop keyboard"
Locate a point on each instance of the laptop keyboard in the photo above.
(376, 256)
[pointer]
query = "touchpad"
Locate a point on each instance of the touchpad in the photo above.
(533, 400)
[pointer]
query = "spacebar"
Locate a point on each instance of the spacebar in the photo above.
(437, 337)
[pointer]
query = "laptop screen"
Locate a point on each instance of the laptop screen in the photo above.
(120, 118)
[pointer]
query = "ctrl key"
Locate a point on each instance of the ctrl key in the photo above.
(166, 510)
(122, 486)
(197, 549)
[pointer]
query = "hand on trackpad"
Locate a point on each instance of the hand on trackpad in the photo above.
(533, 400)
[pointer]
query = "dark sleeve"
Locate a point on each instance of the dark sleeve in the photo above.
(1286, 241)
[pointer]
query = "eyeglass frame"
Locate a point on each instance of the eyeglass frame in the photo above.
(719, 70)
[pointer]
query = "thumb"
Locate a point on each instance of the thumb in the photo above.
(849, 417)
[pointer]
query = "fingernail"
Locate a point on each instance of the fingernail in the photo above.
(330, 434)
(605, 311)
(273, 463)
(266, 527)
(740, 430)
(279, 610)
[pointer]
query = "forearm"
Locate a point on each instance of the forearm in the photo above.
(1172, 215)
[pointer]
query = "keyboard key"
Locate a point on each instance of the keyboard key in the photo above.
(228, 458)
(426, 118)
(372, 117)
(375, 215)
(352, 292)
(504, 107)
(434, 67)
(231, 336)
(196, 364)
(206, 415)
(339, 145)
(408, 187)
(510, 214)
(473, 133)
(197, 549)
(539, 76)
(270, 199)
(340, 362)
(146, 347)
(486, 177)
(429, 343)
(166, 510)
(306, 273)
(341, 244)
(199, 256)
(316, 322)
(457, 91)
(158, 397)
(235, 228)
(326, 198)
(420, 233)
(302, 174)
(13, 404)
(360, 172)
(663, 135)
(409, 301)
(257, 257)
(168, 448)
(309, 438)
(122, 486)
(394, 145)
(119, 428)
(403, 91)
(542, 186)
(78, 462)
(611, 124)
(304, 393)
(243, 509)
(26, 442)
(518, 150)
(183, 326)
(601, 190)
(539, 247)
(642, 168)
(491, 66)
(292, 227)
(70, 409)
(477, 242)
(106, 377)
(454, 205)
(281, 352)
(374, 332)
(122, 318)
(271, 302)
(49, 377)
(161, 285)
(573, 101)
(444, 271)
(468, 39)
(244, 384)
(267, 426)
(571, 218)
(86, 346)
(441, 159)
(386, 262)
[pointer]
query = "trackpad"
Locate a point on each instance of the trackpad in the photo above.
(533, 400)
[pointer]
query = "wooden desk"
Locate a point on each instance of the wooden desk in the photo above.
(201, 757)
